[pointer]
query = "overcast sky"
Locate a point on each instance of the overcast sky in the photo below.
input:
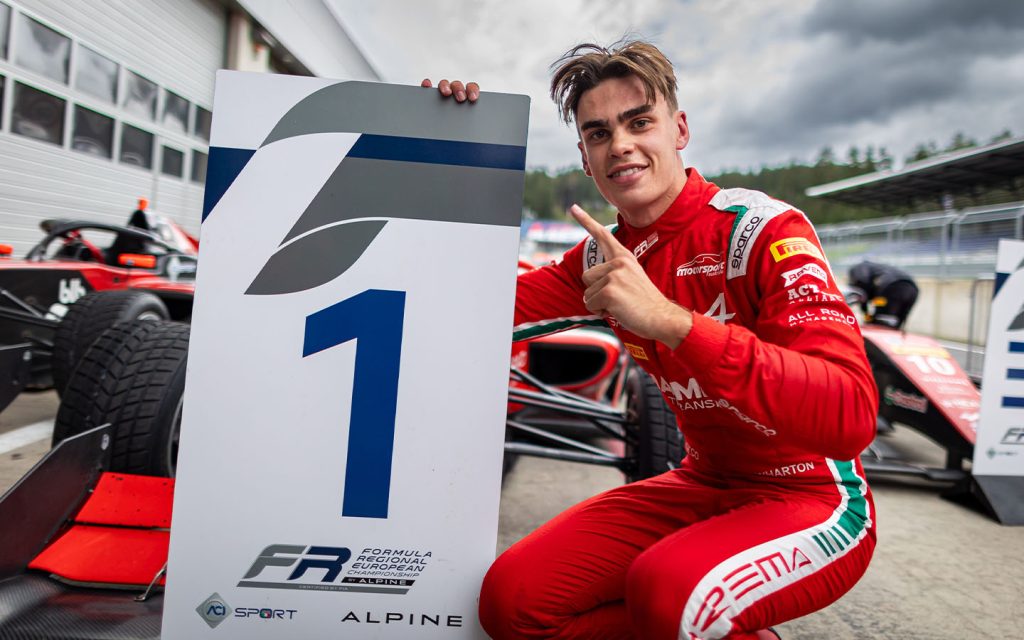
(761, 81)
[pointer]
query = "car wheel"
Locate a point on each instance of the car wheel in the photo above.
(509, 459)
(133, 376)
(653, 439)
(78, 410)
(90, 316)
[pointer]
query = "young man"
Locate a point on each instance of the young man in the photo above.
(725, 298)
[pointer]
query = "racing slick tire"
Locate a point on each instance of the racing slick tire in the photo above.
(509, 459)
(653, 439)
(90, 316)
(133, 376)
(77, 410)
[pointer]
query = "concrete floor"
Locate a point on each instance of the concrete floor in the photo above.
(940, 571)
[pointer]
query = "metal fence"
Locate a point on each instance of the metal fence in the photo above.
(953, 252)
(961, 244)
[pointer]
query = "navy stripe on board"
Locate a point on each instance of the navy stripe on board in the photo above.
(1017, 347)
(464, 154)
(224, 163)
(222, 167)
(1001, 279)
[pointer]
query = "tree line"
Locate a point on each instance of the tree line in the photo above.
(548, 196)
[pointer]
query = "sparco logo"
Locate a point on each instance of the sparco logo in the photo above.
(706, 264)
(214, 610)
(593, 255)
(328, 560)
(725, 404)
(743, 239)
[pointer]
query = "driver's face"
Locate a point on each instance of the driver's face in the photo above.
(631, 148)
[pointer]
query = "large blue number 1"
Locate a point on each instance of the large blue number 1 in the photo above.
(373, 319)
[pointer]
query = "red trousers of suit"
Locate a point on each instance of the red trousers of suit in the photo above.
(684, 555)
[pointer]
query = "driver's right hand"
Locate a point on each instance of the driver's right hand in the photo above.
(461, 91)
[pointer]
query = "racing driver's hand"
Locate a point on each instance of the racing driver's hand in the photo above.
(461, 91)
(618, 287)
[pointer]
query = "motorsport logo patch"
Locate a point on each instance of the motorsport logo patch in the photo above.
(789, 247)
(706, 264)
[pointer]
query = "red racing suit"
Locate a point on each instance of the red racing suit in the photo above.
(769, 516)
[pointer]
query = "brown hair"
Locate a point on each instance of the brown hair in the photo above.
(583, 67)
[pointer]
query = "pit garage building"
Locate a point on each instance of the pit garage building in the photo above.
(103, 102)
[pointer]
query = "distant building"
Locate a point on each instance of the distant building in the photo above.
(106, 101)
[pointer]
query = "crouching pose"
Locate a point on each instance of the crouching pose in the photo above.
(725, 298)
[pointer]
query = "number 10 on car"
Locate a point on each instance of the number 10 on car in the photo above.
(374, 319)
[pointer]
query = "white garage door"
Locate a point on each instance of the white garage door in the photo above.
(104, 102)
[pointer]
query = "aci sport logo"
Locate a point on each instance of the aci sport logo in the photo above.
(214, 610)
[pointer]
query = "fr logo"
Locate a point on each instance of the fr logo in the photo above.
(330, 559)
(1014, 435)
(325, 562)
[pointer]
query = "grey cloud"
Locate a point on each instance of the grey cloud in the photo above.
(843, 84)
(762, 81)
(898, 20)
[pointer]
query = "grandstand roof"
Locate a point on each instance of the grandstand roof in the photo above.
(966, 172)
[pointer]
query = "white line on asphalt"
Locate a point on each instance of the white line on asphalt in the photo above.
(26, 435)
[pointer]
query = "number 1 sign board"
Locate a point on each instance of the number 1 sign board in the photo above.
(339, 467)
(998, 465)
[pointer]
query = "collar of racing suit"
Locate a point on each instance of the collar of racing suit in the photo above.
(696, 193)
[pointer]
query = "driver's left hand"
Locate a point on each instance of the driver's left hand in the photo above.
(618, 287)
(461, 91)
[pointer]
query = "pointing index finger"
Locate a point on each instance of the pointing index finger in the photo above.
(609, 245)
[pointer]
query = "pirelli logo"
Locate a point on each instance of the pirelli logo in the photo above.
(789, 247)
(636, 351)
